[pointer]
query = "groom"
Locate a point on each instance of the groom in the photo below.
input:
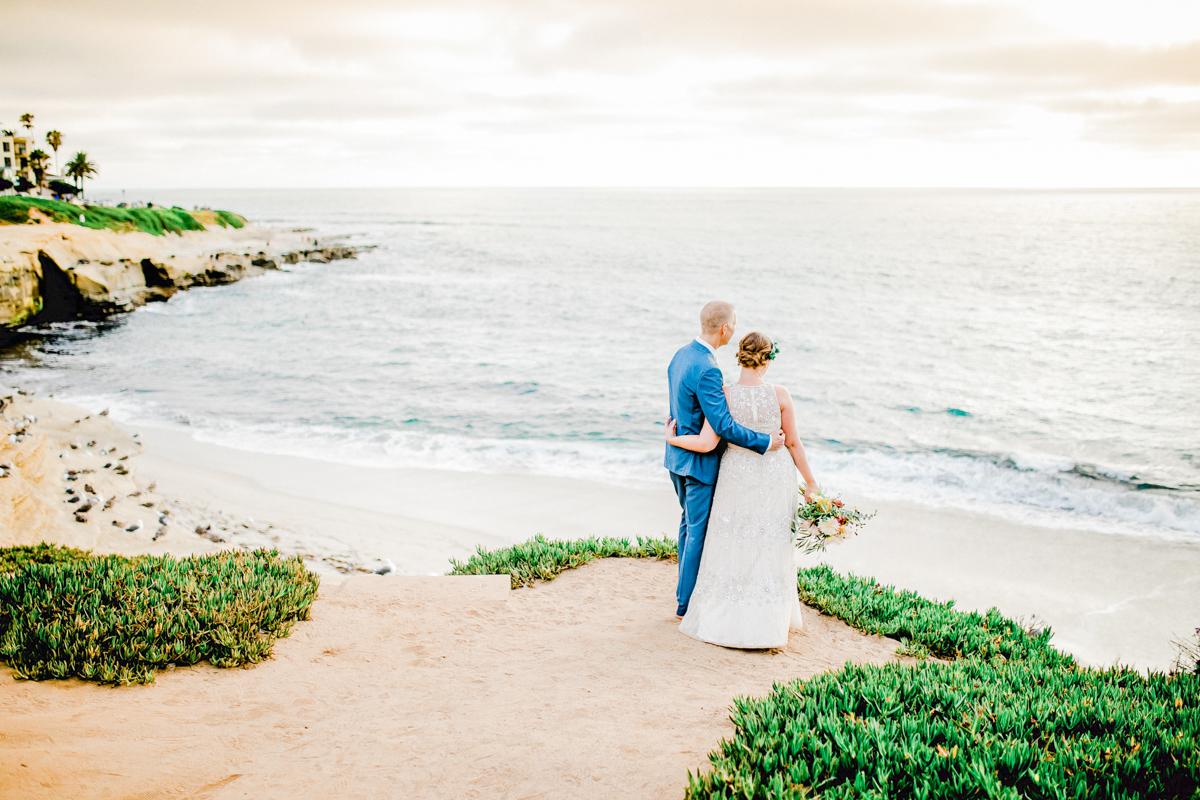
(696, 395)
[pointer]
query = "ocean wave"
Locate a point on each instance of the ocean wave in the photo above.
(1020, 487)
(1057, 494)
(423, 278)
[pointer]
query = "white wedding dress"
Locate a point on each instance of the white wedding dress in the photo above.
(745, 593)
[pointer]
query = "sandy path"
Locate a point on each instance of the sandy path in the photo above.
(423, 687)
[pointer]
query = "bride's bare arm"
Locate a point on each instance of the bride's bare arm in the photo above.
(793, 443)
(702, 442)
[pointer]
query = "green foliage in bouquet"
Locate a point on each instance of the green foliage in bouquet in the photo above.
(117, 620)
(13, 558)
(1188, 658)
(543, 559)
(824, 520)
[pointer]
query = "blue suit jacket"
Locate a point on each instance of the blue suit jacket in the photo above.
(696, 395)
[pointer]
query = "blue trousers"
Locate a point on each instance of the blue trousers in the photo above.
(695, 500)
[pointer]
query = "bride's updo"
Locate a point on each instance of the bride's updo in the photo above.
(755, 349)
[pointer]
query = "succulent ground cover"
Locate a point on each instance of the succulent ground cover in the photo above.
(971, 728)
(543, 559)
(11, 558)
(157, 221)
(117, 620)
(1008, 717)
(1001, 714)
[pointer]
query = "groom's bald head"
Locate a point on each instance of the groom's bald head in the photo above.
(716, 314)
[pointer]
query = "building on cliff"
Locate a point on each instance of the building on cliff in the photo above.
(14, 159)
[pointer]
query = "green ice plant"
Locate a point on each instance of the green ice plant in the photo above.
(970, 728)
(12, 558)
(155, 221)
(543, 559)
(932, 626)
(117, 620)
(1000, 713)
(1007, 716)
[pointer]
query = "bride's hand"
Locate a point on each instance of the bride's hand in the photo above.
(811, 493)
(670, 428)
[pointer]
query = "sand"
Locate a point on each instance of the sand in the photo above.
(401, 685)
(424, 687)
(418, 686)
(1108, 598)
(74, 480)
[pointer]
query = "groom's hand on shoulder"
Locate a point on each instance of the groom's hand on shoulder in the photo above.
(776, 441)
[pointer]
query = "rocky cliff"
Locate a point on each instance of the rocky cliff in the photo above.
(53, 272)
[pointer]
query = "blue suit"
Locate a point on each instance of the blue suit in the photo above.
(696, 395)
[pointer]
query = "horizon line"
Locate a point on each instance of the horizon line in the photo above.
(649, 188)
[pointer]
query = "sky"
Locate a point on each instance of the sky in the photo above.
(368, 93)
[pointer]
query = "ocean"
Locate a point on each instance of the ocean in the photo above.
(1029, 354)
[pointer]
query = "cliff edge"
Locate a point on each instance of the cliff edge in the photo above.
(56, 272)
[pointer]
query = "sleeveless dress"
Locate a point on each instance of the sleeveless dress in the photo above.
(745, 593)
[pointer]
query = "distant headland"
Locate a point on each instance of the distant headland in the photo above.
(61, 261)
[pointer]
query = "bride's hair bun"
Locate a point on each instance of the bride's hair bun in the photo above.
(754, 350)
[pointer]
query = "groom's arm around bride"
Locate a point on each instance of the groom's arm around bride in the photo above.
(696, 394)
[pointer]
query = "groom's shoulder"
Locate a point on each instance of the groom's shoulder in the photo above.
(683, 354)
(692, 349)
(690, 355)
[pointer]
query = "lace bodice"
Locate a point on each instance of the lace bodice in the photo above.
(756, 407)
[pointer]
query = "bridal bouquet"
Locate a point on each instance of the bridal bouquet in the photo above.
(825, 520)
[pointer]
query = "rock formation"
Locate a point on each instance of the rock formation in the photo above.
(54, 272)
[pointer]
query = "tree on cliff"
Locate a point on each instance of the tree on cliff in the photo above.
(37, 163)
(79, 168)
(54, 139)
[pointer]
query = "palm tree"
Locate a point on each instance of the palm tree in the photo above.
(79, 168)
(54, 139)
(27, 121)
(37, 163)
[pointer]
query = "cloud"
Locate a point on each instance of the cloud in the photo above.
(371, 90)
(1077, 66)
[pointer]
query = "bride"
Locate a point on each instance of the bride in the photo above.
(745, 592)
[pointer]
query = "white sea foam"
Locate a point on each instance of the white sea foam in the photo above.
(1048, 494)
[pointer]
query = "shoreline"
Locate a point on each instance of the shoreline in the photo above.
(57, 272)
(1108, 598)
(1126, 602)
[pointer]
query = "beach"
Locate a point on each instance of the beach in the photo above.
(365, 417)
(412, 684)
(425, 687)
(1125, 602)
(422, 685)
